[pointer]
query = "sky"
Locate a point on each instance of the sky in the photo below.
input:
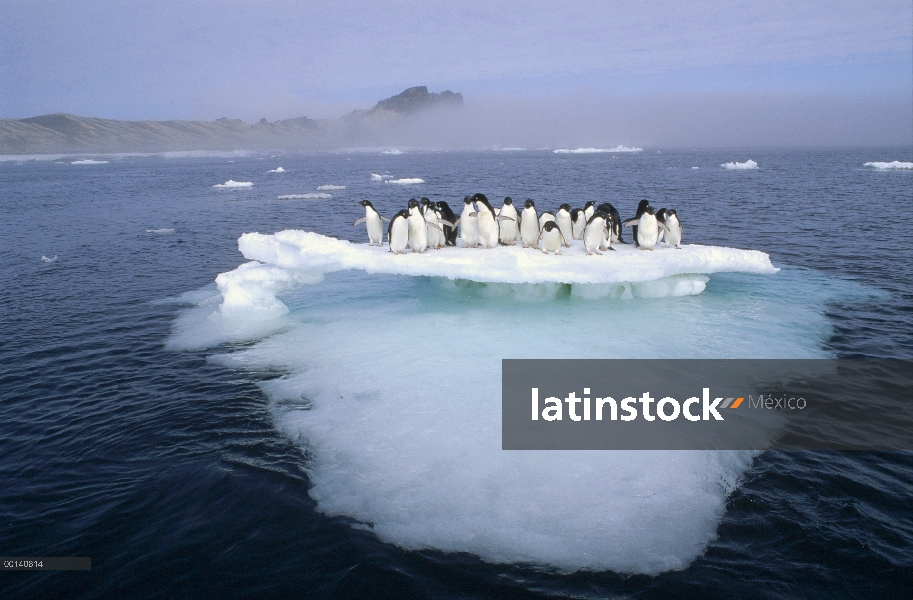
(196, 59)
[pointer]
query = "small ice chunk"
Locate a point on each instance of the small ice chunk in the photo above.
(737, 166)
(234, 184)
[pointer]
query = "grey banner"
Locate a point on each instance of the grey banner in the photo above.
(707, 404)
(46, 563)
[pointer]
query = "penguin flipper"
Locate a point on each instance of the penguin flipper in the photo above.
(503, 218)
(663, 226)
(630, 222)
(361, 220)
(447, 223)
(457, 222)
(435, 225)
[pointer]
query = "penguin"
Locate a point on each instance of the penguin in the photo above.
(398, 232)
(641, 207)
(563, 220)
(529, 225)
(615, 230)
(589, 209)
(578, 223)
(674, 230)
(418, 228)
(647, 229)
(433, 223)
(447, 216)
(510, 230)
(488, 222)
(545, 218)
(374, 223)
(596, 235)
(469, 226)
(551, 238)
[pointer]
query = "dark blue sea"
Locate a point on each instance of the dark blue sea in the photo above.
(340, 437)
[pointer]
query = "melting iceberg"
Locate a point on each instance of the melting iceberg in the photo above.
(234, 184)
(737, 166)
(316, 253)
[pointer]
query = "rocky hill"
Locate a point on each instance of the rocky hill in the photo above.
(64, 133)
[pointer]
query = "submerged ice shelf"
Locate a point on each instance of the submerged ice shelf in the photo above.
(316, 253)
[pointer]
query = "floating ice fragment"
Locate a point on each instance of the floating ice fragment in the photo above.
(884, 166)
(330, 188)
(48, 260)
(308, 196)
(276, 170)
(378, 177)
(596, 150)
(737, 166)
(406, 181)
(163, 231)
(89, 161)
(234, 184)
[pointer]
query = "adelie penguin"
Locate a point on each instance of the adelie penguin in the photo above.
(469, 225)
(588, 209)
(578, 223)
(435, 232)
(647, 229)
(447, 216)
(489, 231)
(373, 222)
(551, 238)
(545, 218)
(418, 228)
(529, 225)
(563, 220)
(615, 229)
(674, 230)
(398, 232)
(641, 207)
(596, 237)
(510, 230)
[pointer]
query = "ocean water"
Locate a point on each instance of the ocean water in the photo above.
(348, 444)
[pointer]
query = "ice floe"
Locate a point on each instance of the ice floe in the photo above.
(885, 166)
(234, 184)
(313, 252)
(89, 161)
(48, 260)
(308, 196)
(162, 231)
(405, 181)
(738, 166)
(276, 170)
(330, 188)
(596, 150)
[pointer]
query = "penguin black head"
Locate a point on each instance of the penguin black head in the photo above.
(599, 215)
(549, 226)
(482, 199)
(530, 204)
(565, 206)
(575, 213)
(649, 210)
(589, 204)
(508, 201)
(413, 203)
(671, 213)
(366, 203)
(661, 214)
(467, 200)
(425, 201)
(641, 207)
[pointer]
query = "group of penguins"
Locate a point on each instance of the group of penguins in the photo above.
(425, 224)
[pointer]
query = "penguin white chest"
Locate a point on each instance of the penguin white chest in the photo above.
(418, 232)
(647, 231)
(375, 227)
(529, 227)
(488, 229)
